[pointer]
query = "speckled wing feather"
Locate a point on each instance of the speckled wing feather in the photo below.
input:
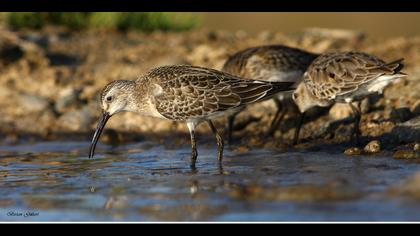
(189, 92)
(261, 62)
(336, 74)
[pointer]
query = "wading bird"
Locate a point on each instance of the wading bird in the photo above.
(184, 93)
(344, 77)
(274, 63)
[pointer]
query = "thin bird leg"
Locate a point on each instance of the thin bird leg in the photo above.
(194, 153)
(299, 123)
(278, 117)
(357, 117)
(219, 140)
(231, 121)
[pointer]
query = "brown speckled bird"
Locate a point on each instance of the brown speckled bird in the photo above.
(274, 63)
(184, 93)
(344, 77)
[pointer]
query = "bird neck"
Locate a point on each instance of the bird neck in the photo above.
(141, 101)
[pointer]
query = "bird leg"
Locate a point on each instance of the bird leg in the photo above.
(231, 120)
(299, 123)
(219, 140)
(278, 117)
(194, 153)
(357, 117)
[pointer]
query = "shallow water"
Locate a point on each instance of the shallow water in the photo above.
(55, 181)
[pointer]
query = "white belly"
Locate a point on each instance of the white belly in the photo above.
(380, 83)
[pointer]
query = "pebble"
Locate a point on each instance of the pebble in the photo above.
(77, 120)
(416, 108)
(365, 105)
(373, 147)
(353, 151)
(10, 53)
(340, 111)
(416, 147)
(40, 40)
(406, 154)
(401, 114)
(30, 103)
(67, 98)
(408, 131)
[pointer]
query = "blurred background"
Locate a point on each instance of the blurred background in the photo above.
(377, 24)
(54, 64)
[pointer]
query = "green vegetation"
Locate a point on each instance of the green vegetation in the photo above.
(25, 19)
(143, 21)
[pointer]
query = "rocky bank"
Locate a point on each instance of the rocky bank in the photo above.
(50, 81)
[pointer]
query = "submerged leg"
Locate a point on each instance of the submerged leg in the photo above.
(278, 117)
(231, 120)
(357, 117)
(298, 126)
(191, 127)
(219, 140)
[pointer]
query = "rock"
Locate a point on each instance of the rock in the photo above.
(10, 53)
(376, 116)
(408, 131)
(416, 147)
(353, 151)
(401, 114)
(365, 105)
(416, 108)
(406, 154)
(77, 120)
(29, 103)
(265, 35)
(340, 111)
(46, 122)
(67, 98)
(373, 147)
(40, 40)
(63, 59)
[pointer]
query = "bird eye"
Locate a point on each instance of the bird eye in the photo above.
(109, 98)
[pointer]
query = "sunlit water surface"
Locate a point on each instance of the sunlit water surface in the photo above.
(55, 181)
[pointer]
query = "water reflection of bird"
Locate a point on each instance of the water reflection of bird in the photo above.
(184, 93)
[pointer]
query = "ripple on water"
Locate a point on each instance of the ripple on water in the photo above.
(145, 181)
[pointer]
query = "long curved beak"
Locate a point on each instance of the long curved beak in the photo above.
(98, 132)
